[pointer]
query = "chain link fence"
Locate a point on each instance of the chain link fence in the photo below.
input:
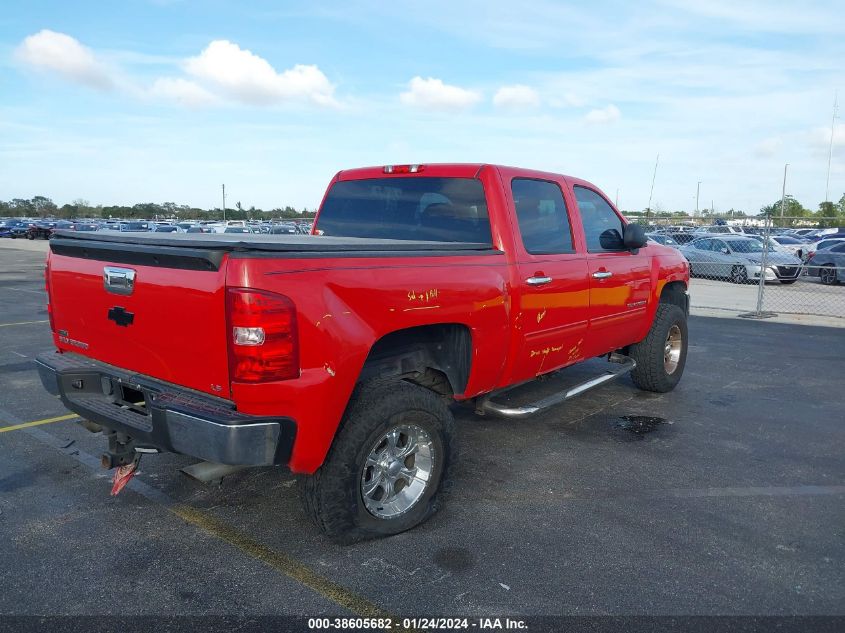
(760, 269)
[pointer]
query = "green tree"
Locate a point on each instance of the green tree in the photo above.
(827, 215)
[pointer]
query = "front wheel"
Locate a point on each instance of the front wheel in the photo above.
(388, 466)
(827, 275)
(739, 275)
(662, 354)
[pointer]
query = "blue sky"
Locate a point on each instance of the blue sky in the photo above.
(164, 100)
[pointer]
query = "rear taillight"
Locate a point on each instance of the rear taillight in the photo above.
(262, 336)
(47, 289)
(810, 255)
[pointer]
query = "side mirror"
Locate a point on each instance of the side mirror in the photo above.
(610, 240)
(634, 237)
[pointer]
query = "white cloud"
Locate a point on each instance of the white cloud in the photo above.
(821, 136)
(516, 96)
(247, 77)
(768, 147)
(182, 91)
(433, 93)
(602, 116)
(65, 56)
(569, 99)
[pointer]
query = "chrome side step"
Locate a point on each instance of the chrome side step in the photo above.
(485, 405)
(210, 472)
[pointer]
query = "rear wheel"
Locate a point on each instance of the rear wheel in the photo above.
(389, 465)
(739, 275)
(827, 275)
(662, 355)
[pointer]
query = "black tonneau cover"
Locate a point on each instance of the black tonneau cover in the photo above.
(205, 251)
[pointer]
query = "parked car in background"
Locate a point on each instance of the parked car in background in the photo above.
(821, 245)
(682, 237)
(21, 229)
(739, 259)
(828, 264)
(167, 228)
(718, 228)
(662, 238)
(133, 227)
(44, 230)
(84, 226)
(794, 245)
(199, 229)
(6, 227)
(284, 229)
(237, 229)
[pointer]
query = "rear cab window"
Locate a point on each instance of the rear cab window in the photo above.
(542, 215)
(407, 208)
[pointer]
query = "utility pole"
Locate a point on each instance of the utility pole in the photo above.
(224, 203)
(653, 178)
(783, 194)
(830, 149)
(617, 197)
(697, 192)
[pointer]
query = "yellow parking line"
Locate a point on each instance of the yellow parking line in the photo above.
(290, 567)
(15, 427)
(22, 323)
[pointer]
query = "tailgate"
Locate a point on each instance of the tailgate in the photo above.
(158, 312)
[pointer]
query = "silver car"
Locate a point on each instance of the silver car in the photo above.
(739, 259)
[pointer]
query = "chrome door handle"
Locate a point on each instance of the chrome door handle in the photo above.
(602, 274)
(538, 281)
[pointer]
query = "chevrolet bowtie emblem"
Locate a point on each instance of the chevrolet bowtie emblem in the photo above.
(121, 316)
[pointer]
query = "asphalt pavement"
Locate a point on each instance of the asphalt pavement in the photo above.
(724, 497)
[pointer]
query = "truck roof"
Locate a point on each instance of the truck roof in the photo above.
(453, 170)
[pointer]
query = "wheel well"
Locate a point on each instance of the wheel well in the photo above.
(437, 357)
(675, 292)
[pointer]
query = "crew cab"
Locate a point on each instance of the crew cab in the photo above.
(337, 354)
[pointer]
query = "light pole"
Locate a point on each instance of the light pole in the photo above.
(783, 194)
(830, 149)
(224, 203)
(697, 192)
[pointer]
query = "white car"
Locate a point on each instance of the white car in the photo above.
(792, 244)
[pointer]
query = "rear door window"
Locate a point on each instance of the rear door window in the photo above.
(603, 229)
(542, 216)
(407, 208)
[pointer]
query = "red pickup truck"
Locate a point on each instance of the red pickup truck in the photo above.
(337, 354)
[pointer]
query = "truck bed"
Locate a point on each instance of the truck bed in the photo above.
(260, 242)
(205, 251)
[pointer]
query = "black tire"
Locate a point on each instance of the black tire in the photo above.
(332, 496)
(651, 373)
(739, 275)
(30, 236)
(827, 275)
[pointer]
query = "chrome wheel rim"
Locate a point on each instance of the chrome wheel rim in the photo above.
(397, 471)
(827, 275)
(672, 350)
